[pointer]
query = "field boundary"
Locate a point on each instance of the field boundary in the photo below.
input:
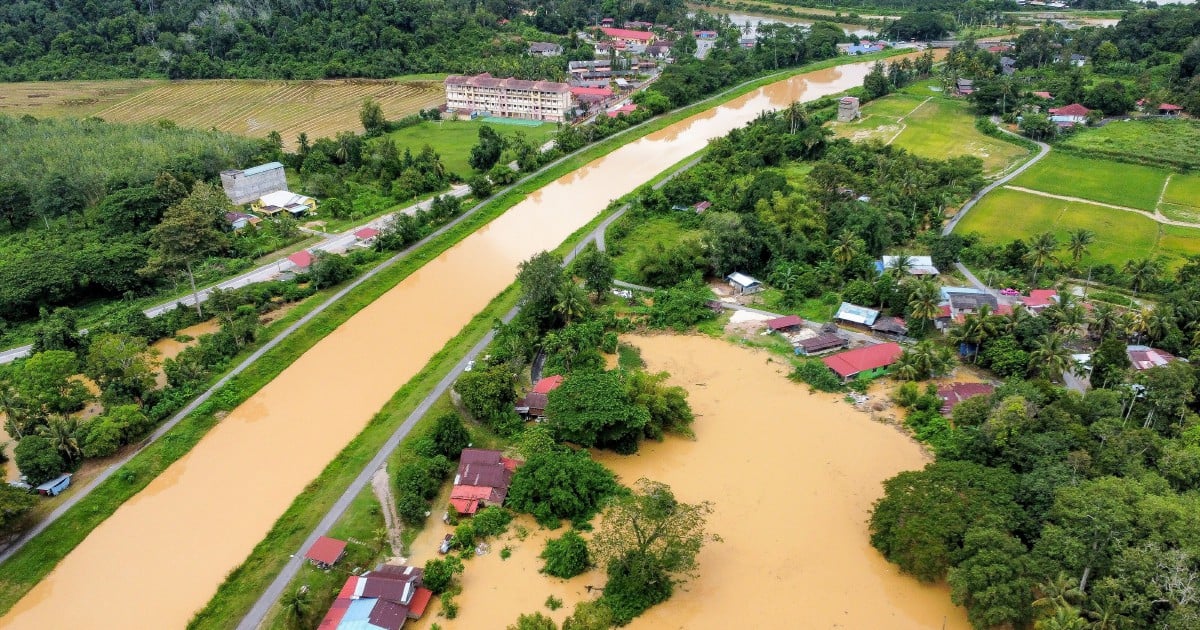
(1155, 216)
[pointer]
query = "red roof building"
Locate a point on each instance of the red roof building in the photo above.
(326, 552)
(1039, 299)
(955, 393)
(624, 109)
(1074, 109)
(482, 479)
(366, 234)
(548, 384)
(534, 403)
(628, 36)
(302, 259)
(1167, 109)
(869, 361)
(787, 322)
(383, 599)
(1043, 95)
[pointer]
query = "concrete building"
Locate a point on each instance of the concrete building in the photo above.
(545, 49)
(509, 98)
(250, 184)
(848, 109)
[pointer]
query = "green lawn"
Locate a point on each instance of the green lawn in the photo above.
(931, 126)
(1181, 200)
(642, 238)
(1151, 141)
(453, 139)
(1120, 235)
(1105, 181)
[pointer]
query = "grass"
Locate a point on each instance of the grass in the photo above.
(1150, 141)
(642, 239)
(933, 127)
(318, 108)
(1106, 181)
(1005, 215)
(453, 139)
(1181, 199)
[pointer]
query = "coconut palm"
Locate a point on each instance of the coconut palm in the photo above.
(1065, 617)
(1070, 320)
(847, 247)
(62, 432)
(1041, 252)
(1078, 242)
(923, 302)
(1104, 320)
(1142, 273)
(296, 606)
(1159, 322)
(1105, 614)
(1050, 356)
(901, 266)
(1057, 592)
(1014, 319)
(571, 301)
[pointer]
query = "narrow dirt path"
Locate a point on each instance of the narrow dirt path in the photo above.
(382, 486)
(900, 120)
(1149, 215)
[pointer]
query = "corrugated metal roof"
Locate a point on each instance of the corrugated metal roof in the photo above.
(262, 168)
(857, 314)
(863, 359)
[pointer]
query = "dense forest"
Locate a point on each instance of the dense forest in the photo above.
(292, 39)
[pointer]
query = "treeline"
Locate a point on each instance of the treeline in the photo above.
(299, 39)
(79, 198)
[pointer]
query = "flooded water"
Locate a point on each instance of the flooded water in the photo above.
(161, 556)
(792, 476)
(751, 20)
(170, 347)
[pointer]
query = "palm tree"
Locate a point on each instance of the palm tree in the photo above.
(1137, 323)
(1065, 617)
(1159, 322)
(1041, 252)
(1105, 319)
(1105, 614)
(296, 605)
(61, 431)
(923, 303)
(1078, 242)
(1014, 319)
(14, 412)
(900, 266)
(1057, 592)
(571, 302)
(1142, 273)
(1050, 356)
(905, 368)
(1070, 320)
(847, 248)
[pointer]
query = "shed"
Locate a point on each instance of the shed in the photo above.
(55, 486)
(366, 235)
(917, 265)
(743, 284)
(955, 393)
(868, 361)
(854, 314)
(1167, 109)
(785, 324)
(326, 552)
(888, 325)
(302, 259)
(821, 343)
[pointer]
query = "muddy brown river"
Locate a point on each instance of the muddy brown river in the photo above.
(792, 476)
(160, 557)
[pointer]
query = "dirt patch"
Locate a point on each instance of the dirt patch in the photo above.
(382, 487)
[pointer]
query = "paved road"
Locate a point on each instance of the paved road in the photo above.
(1043, 150)
(333, 243)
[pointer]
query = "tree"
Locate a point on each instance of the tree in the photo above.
(1078, 242)
(992, 580)
(102, 437)
(533, 621)
(371, 115)
(1037, 126)
(121, 365)
(449, 435)
(487, 151)
(14, 504)
(1050, 357)
(590, 615)
(47, 384)
(38, 459)
(592, 408)
(596, 268)
(566, 556)
(488, 394)
(1143, 273)
(297, 604)
(924, 301)
(63, 434)
(440, 572)
(1088, 525)
(668, 405)
(560, 484)
(540, 278)
(481, 186)
(570, 302)
(189, 231)
(648, 540)
(330, 269)
(1041, 252)
(1110, 363)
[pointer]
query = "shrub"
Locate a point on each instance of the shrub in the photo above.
(557, 485)
(464, 537)
(440, 572)
(817, 375)
(566, 556)
(491, 521)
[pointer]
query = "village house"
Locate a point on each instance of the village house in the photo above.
(1145, 357)
(272, 204)
(482, 479)
(383, 599)
(917, 265)
(890, 326)
(659, 50)
(534, 403)
(239, 220)
(964, 87)
(55, 486)
(823, 342)
(509, 98)
(955, 393)
(1039, 300)
(861, 48)
(743, 284)
(864, 362)
(1044, 95)
(591, 96)
(590, 70)
(855, 316)
(244, 186)
(1078, 60)
(962, 304)
(302, 259)
(545, 49)
(785, 324)
(1168, 109)
(628, 36)
(365, 236)
(326, 552)
(1072, 114)
(1008, 66)
(624, 109)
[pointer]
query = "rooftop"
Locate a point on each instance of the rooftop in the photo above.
(624, 33)
(955, 393)
(787, 321)
(262, 168)
(864, 359)
(365, 233)
(1074, 109)
(857, 314)
(486, 80)
(1038, 298)
(742, 279)
(548, 384)
(1145, 357)
(302, 258)
(326, 550)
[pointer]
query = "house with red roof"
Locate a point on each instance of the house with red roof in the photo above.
(303, 259)
(787, 323)
(383, 599)
(326, 552)
(955, 393)
(1167, 109)
(1145, 357)
(1039, 300)
(865, 362)
(534, 403)
(624, 109)
(1043, 95)
(627, 36)
(1069, 115)
(365, 236)
(482, 479)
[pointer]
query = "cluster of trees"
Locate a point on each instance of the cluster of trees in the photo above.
(302, 39)
(883, 80)
(418, 479)
(1049, 508)
(80, 199)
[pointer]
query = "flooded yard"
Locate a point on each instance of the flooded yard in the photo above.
(792, 476)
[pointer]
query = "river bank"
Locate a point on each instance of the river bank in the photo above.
(792, 475)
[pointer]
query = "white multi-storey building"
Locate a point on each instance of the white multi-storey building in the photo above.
(509, 98)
